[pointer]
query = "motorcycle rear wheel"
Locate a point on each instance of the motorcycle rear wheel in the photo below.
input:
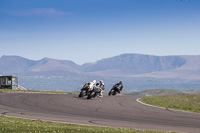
(111, 92)
(92, 94)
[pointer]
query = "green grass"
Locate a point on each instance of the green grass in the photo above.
(35, 91)
(19, 125)
(156, 92)
(180, 102)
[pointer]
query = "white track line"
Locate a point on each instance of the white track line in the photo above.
(138, 100)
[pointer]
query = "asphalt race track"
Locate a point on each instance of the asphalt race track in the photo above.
(112, 111)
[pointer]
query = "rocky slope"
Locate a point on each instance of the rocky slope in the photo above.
(126, 65)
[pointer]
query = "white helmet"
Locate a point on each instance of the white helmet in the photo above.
(94, 81)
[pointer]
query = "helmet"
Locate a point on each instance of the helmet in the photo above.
(94, 81)
(101, 82)
(120, 82)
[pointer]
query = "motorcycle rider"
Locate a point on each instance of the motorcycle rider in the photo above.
(87, 86)
(118, 86)
(101, 87)
(92, 84)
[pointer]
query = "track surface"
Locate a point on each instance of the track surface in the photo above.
(113, 111)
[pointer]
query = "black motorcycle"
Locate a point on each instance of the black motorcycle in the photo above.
(114, 91)
(85, 90)
(117, 88)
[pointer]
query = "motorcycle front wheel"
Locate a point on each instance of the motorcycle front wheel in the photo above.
(82, 93)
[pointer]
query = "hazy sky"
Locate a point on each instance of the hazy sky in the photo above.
(89, 30)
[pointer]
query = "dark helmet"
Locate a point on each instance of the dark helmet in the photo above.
(120, 82)
(101, 82)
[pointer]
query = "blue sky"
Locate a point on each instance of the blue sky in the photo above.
(89, 30)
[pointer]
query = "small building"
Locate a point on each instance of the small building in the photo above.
(8, 82)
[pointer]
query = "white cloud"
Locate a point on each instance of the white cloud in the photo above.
(38, 12)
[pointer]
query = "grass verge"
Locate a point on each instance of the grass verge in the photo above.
(189, 103)
(19, 125)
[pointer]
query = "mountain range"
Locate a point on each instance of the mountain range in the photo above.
(125, 65)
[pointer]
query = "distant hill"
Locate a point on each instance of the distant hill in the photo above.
(53, 67)
(125, 65)
(189, 70)
(133, 64)
(15, 64)
(19, 65)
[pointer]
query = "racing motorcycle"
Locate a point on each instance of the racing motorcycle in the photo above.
(94, 92)
(114, 91)
(85, 90)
